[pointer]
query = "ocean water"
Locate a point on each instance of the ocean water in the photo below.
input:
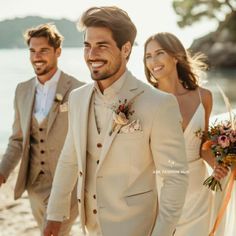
(15, 67)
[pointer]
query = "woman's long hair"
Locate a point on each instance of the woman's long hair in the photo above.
(188, 67)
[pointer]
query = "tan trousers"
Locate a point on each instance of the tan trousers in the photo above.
(39, 194)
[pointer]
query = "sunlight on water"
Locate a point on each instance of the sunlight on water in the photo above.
(15, 67)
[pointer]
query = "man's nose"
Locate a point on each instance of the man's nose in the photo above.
(37, 55)
(92, 54)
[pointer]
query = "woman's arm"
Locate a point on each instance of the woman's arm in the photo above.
(207, 103)
(219, 170)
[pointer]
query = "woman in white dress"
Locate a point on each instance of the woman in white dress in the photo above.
(170, 68)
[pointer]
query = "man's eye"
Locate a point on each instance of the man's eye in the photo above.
(45, 51)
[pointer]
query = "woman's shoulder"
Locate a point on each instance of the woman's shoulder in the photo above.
(205, 93)
(206, 96)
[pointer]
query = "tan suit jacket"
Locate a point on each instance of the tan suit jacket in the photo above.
(126, 190)
(19, 142)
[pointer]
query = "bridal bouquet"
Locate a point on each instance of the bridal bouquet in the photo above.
(221, 140)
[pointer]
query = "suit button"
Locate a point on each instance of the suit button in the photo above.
(80, 173)
(42, 151)
(94, 196)
(42, 162)
(97, 161)
(94, 211)
(99, 145)
(41, 140)
(40, 129)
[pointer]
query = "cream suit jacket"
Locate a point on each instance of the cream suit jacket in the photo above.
(19, 142)
(126, 189)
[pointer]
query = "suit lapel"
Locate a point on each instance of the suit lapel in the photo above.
(83, 115)
(62, 87)
(129, 90)
(27, 107)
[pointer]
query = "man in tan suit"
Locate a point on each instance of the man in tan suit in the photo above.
(40, 124)
(121, 134)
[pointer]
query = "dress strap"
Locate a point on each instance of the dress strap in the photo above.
(199, 93)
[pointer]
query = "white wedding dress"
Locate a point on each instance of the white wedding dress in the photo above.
(201, 204)
(195, 218)
(196, 213)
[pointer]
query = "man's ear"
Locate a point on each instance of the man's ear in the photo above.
(126, 49)
(58, 52)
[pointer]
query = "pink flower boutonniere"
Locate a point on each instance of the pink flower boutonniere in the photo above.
(122, 113)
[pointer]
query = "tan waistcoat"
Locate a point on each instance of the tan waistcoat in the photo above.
(39, 158)
(94, 147)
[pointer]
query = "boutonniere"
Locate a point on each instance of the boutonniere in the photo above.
(58, 98)
(122, 113)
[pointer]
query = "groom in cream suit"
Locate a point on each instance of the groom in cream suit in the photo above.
(122, 133)
(40, 124)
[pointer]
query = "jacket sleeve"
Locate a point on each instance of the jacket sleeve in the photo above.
(13, 152)
(168, 148)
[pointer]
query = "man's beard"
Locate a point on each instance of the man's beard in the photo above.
(42, 72)
(105, 75)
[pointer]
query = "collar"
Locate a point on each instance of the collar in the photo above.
(54, 80)
(114, 89)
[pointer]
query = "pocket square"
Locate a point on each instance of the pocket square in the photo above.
(131, 127)
(63, 107)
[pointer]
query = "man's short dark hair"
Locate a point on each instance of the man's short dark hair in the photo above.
(117, 20)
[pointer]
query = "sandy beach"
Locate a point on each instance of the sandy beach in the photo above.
(15, 216)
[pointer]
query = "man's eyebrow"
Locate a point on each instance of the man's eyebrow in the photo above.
(101, 42)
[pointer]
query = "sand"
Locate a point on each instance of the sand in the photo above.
(15, 216)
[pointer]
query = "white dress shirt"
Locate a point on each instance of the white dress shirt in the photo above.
(44, 96)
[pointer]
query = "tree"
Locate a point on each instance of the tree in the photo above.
(191, 11)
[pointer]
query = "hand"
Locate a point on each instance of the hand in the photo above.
(52, 228)
(2, 180)
(220, 172)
